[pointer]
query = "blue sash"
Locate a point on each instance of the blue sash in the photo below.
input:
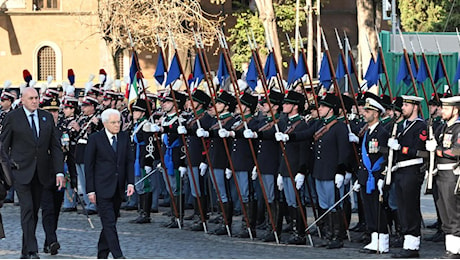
(370, 184)
(169, 163)
(137, 164)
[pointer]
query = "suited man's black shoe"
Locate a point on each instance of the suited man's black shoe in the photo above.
(34, 255)
(54, 248)
(449, 255)
(24, 256)
(406, 253)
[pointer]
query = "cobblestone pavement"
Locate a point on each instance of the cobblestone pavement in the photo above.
(78, 240)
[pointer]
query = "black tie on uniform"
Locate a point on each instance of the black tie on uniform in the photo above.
(34, 127)
(114, 143)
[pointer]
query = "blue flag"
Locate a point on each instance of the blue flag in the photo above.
(133, 69)
(300, 69)
(372, 73)
(270, 66)
(291, 71)
(408, 80)
(439, 73)
(325, 75)
(174, 71)
(457, 74)
(403, 71)
(350, 65)
(422, 73)
(222, 71)
(252, 74)
(161, 69)
(198, 73)
(340, 70)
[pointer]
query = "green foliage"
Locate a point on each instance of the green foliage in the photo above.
(428, 15)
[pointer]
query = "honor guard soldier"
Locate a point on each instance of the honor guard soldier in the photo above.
(447, 148)
(268, 158)
(386, 102)
(196, 151)
(295, 151)
(371, 179)
(6, 102)
(407, 176)
(225, 106)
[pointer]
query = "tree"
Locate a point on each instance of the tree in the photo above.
(147, 19)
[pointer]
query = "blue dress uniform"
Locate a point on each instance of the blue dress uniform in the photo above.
(448, 177)
(243, 161)
(268, 158)
(373, 162)
(296, 153)
(408, 178)
(197, 154)
(173, 153)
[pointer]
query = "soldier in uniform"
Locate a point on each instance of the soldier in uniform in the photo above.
(386, 102)
(447, 145)
(371, 179)
(6, 101)
(85, 125)
(406, 174)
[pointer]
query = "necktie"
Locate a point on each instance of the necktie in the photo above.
(114, 143)
(34, 127)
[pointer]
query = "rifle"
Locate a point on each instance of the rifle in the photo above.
(391, 154)
(429, 181)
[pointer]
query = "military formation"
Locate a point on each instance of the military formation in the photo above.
(270, 155)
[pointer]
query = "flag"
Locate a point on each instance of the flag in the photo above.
(407, 80)
(252, 74)
(422, 73)
(291, 71)
(198, 73)
(270, 66)
(174, 71)
(300, 69)
(403, 71)
(222, 71)
(325, 76)
(457, 74)
(134, 77)
(439, 73)
(350, 65)
(340, 70)
(372, 73)
(161, 69)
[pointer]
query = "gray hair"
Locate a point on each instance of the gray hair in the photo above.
(107, 113)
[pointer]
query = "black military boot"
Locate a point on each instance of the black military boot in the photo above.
(198, 223)
(179, 200)
(196, 211)
(397, 240)
(146, 205)
(228, 211)
(284, 210)
(337, 225)
(298, 236)
(251, 210)
(141, 209)
(278, 223)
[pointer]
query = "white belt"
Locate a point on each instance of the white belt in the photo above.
(446, 166)
(410, 162)
(82, 141)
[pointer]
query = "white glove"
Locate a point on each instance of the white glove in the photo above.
(182, 171)
(339, 180)
(394, 144)
(380, 184)
(146, 127)
(254, 173)
(248, 134)
(181, 130)
(147, 169)
(299, 180)
(279, 182)
(200, 132)
(224, 133)
(228, 173)
(356, 186)
(203, 167)
(281, 137)
(347, 178)
(352, 138)
(431, 145)
(154, 128)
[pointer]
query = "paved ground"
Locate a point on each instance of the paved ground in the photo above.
(78, 240)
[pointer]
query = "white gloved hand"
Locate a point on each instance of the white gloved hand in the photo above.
(254, 173)
(394, 168)
(279, 182)
(200, 132)
(356, 186)
(203, 167)
(347, 178)
(339, 180)
(394, 144)
(154, 128)
(181, 130)
(148, 169)
(431, 145)
(228, 173)
(248, 134)
(281, 137)
(299, 180)
(380, 184)
(146, 127)
(223, 133)
(182, 171)
(352, 138)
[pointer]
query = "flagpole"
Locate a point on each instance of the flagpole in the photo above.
(384, 66)
(443, 65)
(382, 87)
(352, 61)
(414, 58)
(425, 61)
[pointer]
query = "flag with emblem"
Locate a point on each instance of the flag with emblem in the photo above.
(134, 87)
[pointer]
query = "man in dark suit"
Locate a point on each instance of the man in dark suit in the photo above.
(30, 138)
(109, 164)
